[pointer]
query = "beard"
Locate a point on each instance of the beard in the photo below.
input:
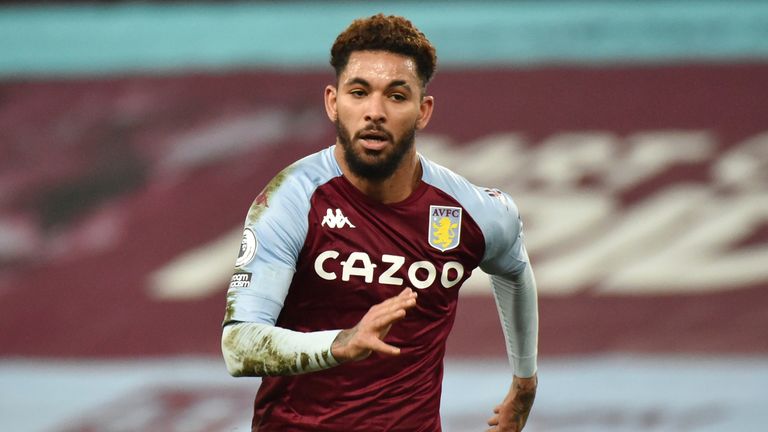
(378, 165)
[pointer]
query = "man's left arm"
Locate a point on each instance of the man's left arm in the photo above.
(516, 300)
(514, 289)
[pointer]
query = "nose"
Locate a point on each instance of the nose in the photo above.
(375, 111)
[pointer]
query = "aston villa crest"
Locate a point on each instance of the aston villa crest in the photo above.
(444, 227)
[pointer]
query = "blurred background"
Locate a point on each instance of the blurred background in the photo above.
(633, 136)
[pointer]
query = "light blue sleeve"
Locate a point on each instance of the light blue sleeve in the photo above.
(274, 234)
(513, 284)
(495, 214)
(505, 260)
(503, 229)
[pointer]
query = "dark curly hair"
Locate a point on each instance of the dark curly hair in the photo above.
(392, 33)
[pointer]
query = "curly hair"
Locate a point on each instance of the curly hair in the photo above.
(392, 33)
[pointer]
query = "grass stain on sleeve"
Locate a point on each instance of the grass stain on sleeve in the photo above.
(261, 202)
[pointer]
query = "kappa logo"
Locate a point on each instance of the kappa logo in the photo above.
(444, 227)
(337, 220)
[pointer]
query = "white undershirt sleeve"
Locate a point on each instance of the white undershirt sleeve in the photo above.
(256, 349)
(517, 304)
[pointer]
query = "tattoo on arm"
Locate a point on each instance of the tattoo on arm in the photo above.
(344, 337)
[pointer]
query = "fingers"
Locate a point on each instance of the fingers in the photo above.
(406, 298)
(515, 422)
(380, 318)
(378, 322)
(392, 309)
(505, 418)
(402, 301)
(494, 420)
(367, 336)
(382, 347)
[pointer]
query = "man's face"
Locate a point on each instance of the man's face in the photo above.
(377, 108)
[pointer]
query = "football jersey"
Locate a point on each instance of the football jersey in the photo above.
(317, 254)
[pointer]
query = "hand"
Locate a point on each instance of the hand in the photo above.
(513, 412)
(366, 337)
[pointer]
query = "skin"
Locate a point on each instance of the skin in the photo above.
(512, 413)
(382, 91)
(367, 336)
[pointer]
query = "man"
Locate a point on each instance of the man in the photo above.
(347, 281)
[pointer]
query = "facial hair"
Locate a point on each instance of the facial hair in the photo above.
(385, 164)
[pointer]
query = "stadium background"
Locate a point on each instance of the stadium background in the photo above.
(633, 135)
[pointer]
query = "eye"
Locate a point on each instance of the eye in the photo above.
(398, 97)
(357, 92)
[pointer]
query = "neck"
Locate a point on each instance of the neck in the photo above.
(395, 188)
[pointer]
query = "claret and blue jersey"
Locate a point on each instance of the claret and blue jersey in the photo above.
(317, 254)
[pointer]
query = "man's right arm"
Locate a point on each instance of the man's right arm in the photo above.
(257, 349)
(367, 336)
(252, 345)
(514, 288)
(274, 232)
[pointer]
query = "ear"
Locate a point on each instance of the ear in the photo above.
(426, 106)
(330, 103)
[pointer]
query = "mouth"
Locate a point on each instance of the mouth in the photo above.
(373, 139)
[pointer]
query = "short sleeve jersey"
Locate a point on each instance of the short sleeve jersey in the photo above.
(317, 254)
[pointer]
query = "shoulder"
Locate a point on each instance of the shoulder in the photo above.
(485, 204)
(302, 177)
(494, 211)
(291, 189)
(278, 215)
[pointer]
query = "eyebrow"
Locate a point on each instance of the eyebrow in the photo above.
(364, 83)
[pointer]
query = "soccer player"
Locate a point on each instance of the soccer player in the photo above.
(346, 284)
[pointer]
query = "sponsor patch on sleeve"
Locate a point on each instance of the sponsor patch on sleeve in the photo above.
(240, 280)
(248, 246)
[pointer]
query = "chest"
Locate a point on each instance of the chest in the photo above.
(428, 242)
